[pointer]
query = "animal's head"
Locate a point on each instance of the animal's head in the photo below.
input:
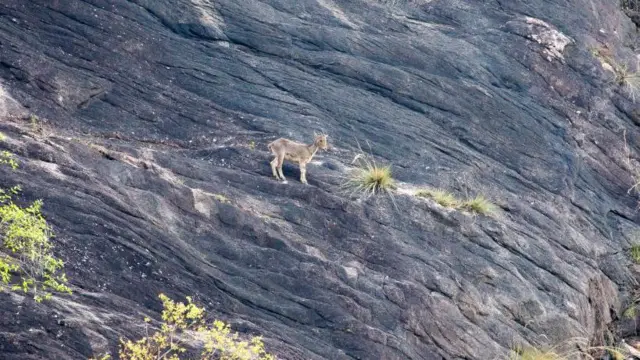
(321, 141)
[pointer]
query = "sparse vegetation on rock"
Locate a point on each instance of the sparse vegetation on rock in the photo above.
(479, 204)
(631, 311)
(369, 178)
(634, 252)
(575, 348)
(441, 197)
(503, 93)
(623, 75)
(184, 324)
(27, 262)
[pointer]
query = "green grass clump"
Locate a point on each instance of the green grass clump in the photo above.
(442, 197)
(479, 205)
(369, 178)
(635, 253)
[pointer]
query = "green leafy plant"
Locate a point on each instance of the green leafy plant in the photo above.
(7, 158)
(185, 322)
(27, 262)
(26, 241)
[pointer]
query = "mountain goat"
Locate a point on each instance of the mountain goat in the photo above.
(285, 149)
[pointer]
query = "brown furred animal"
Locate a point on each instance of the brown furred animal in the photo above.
(285, 149)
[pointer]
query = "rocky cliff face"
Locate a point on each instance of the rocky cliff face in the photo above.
(150, 155)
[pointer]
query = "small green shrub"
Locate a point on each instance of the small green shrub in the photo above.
(630, 312)
(7, 158)
(184, 322)
(28, 251)
(369, 178)
(634, 252)
(25, 246)
(442, 197)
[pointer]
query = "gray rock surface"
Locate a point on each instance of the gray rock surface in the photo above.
(144, 155)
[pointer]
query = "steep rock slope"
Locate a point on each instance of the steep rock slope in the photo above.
(150, 155)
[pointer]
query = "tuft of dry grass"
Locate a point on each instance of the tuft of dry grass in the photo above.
(532, 353)
(575, 348)
(479, 205)
(623, 76)
(633, 167)
(634, 251)
(629, 80)
(221, 198)
(442, 197)
(370, 179)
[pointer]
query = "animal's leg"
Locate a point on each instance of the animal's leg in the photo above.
(303, 173)
(274, 164)
(280, 162)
